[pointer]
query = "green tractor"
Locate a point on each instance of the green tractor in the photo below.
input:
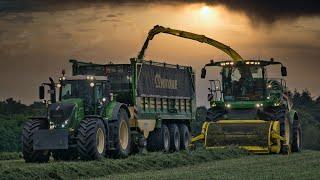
(249, 110)
(113, 110)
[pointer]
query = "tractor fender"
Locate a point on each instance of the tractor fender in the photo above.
(112, 110)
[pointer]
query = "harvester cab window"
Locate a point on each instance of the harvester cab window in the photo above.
(243, 83)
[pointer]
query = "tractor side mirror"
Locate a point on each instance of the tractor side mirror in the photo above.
(283, 71)
(41, 92)
(203, 73)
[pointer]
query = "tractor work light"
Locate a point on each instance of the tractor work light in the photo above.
(58, 85)
(91, 84)
(259, 105)
(90, 78)
(228, 106)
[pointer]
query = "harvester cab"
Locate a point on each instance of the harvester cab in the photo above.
(250, 110)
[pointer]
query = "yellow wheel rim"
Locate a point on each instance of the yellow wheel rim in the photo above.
(123, 134)
(100, 140)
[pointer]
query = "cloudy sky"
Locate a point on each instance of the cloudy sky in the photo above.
(37, 38)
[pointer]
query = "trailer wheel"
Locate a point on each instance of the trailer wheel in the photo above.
(296, 144)
(29, 154)
(91, 139)
(185, 137)
(174, 137)
(122, 135)
(159, 139)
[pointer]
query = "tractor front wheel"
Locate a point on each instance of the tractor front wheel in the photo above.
(91, 139)
(30, 155)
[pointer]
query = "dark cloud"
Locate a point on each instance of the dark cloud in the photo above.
(270, 11)
(267, 11)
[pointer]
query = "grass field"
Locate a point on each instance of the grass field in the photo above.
(17, 169)
(305, 165)
(215, 164)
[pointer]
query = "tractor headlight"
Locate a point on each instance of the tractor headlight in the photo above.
(91, 84)
(276, 104)
(258, 105)
(228, 106)
(65, 123)
(52, 126)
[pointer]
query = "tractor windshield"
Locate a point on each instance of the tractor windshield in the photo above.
(244, 83)
(75, 89)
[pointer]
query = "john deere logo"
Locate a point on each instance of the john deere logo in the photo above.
(165, 83)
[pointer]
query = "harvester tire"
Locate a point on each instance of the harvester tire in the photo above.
(296, 143)
(285, 130)
(159, 139)
(121, 136)
(185, 137)
(29, 154)
(91, 139)
(174, 137)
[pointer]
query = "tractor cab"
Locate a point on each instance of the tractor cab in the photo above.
(93, 91)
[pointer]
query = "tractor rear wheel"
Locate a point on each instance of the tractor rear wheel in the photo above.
(122, 135)
(29, 154)
(296, 144)
(185, 137)
(91, 139)
(174, 137)
(159, 139)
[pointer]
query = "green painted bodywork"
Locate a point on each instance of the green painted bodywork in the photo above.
(109, 109)
(77, 114)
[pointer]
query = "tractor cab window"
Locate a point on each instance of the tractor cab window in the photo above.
(243, 83)
(74, 89)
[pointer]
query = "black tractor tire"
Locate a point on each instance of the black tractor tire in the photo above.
(30, 155)
(91, 139)
(159, 139)
(284, 121)
(185, 136)
(121, 135)
(65, 155)
(297, 136)
(174, 137)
